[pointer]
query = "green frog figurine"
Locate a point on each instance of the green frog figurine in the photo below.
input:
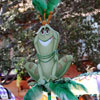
(48, 66)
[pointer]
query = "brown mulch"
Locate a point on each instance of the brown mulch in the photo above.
(14, 89)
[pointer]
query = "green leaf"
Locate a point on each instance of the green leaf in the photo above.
(34, 93)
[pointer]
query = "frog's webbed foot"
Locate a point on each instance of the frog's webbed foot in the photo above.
(41, 81)
(52, 77)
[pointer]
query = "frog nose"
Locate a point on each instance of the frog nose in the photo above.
(45, 36)
(44, 32)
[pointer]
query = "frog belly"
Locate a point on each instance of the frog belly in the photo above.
(47, 69)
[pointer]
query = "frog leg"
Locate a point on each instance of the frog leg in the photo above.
(40, 72)
(63, 65)
(53, 75)
(42, 79)
(32, 70)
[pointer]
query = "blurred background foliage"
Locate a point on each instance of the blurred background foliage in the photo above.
(77, 21)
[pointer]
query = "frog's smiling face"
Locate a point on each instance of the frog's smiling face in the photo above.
(45, 35)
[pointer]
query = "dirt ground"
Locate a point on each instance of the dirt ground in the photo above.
(14, 89)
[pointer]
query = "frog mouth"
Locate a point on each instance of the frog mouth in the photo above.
(45, 43)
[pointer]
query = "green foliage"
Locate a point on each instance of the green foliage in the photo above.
(5, 61)
(79, 38)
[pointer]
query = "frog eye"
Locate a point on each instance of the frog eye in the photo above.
(47, 30)
(42, 31)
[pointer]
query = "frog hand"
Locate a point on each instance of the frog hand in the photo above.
(41, 81)
(52, 77)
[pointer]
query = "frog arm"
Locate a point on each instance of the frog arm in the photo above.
(53, 75)
(63, 65)
(57, 39)
(40, 71)
(36, 43)
(32, 70)
(36, 39)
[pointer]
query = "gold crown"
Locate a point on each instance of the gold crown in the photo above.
(45, 21)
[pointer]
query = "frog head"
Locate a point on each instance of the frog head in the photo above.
(47, 39)
(45, 34)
